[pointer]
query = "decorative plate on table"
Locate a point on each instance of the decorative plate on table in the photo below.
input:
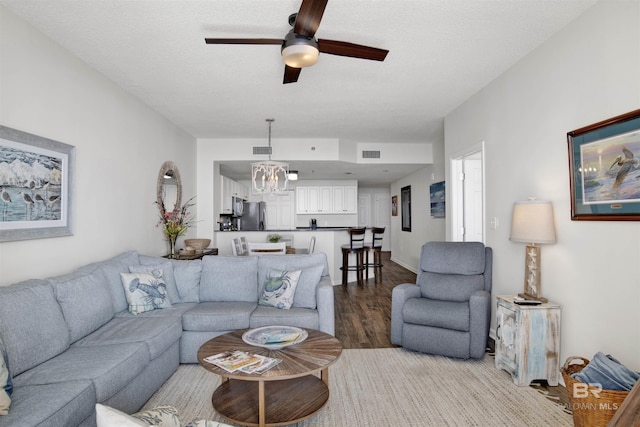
(275, 337)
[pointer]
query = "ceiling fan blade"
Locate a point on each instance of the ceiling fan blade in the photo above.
(244, 41)
(352, 50)
(309, 16)
(291, 74)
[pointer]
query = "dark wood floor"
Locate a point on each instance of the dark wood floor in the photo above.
(363, 316)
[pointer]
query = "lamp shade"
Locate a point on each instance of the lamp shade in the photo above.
(532, 222)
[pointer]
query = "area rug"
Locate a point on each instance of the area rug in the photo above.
(393, 387)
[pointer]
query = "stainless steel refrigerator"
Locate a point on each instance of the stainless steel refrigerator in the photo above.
(254, 215)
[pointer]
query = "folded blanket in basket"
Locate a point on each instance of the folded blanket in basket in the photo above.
(608, 372)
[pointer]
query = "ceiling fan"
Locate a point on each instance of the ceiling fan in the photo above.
(299, 47)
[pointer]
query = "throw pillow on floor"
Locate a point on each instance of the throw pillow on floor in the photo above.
(162, 416)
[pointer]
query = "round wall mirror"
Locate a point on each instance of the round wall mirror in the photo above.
(169, 188)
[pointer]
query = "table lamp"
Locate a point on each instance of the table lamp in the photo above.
(532, 223)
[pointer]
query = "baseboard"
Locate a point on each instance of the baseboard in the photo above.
(402, 264)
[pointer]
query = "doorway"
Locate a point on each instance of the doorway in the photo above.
(467, 195)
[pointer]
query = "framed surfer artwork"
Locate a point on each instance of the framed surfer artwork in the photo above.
(36, 183)
(604, 166)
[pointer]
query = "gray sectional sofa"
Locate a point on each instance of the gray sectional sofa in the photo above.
(71, 341)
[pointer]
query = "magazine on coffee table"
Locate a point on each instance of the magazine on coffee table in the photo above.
(235, 360)
(264, 365)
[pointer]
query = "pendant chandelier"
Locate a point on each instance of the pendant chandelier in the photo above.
(269, 177)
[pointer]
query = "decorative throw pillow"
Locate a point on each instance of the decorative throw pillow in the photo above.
(145, 291)
(165, 416)
(280, 288)
(6, 385)
(109, 417)
(205, 423)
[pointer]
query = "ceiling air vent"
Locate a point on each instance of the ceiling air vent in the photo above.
(262, 150)
(371, 154)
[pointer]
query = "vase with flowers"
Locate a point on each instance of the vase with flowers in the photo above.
(174, 223)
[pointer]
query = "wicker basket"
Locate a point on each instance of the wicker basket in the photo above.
(591, 406)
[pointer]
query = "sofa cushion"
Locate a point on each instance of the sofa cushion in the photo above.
(307, 287)
(110, 270)
(313, 267)
(438, 314)
(108, 367)
(187, 274)
(279, 289)
(453, 258)
(157, 333)
(218, 316)
(296, 316)
(149, 264)
(6, 384)
(145, 291)
(228, 278)
(85, 302)
(67, 403)
(32, 326)
(449, 287)
(176, 311)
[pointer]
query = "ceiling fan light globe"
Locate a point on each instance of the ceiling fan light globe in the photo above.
(300, 55)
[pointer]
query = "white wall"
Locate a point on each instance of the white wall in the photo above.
(120, 146)
(405, 246)
(588, 72)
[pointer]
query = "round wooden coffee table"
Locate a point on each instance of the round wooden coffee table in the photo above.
(294, 390)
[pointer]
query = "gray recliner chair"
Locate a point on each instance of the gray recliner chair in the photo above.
(448, 310)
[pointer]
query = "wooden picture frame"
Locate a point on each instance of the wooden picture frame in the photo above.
(36, 186)
(604, 169)
(394, 205)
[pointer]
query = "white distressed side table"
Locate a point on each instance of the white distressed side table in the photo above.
(528, 340)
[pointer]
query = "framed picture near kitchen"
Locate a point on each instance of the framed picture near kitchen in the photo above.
(405, 199)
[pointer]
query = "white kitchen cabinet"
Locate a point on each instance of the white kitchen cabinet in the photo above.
(302, 200)
(313, 199)
(230, 188)
(225, 195)
(345, 199)
(239, 190)
(325, 204)
(280, 211)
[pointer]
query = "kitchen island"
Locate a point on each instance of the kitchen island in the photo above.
(328, 240)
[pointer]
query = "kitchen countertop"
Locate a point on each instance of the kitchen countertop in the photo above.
(327, 240)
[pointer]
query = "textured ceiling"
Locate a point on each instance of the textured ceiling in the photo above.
(441, 53)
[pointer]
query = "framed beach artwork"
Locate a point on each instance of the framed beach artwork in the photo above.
(36, 184)
(437, 199)
(604, 167)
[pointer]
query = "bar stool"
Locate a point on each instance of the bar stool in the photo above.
(375, 247)
(355, 246)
